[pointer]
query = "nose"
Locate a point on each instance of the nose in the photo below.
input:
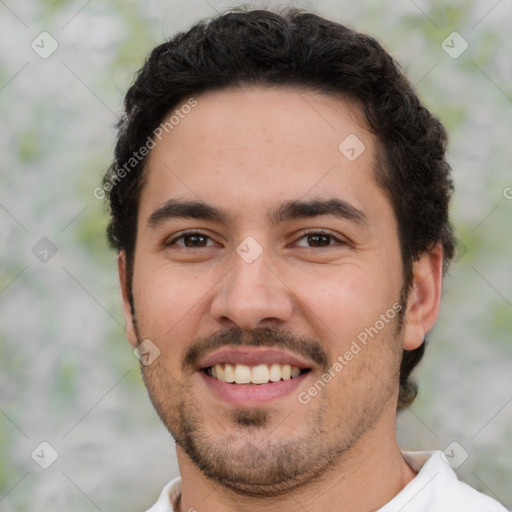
(252, 295)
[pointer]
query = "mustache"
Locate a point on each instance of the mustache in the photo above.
(309, 348)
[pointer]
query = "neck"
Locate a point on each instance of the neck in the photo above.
(363, 480)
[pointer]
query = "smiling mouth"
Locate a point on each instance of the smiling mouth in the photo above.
(259, 374)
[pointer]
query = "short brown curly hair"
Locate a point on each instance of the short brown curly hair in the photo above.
(296, 48)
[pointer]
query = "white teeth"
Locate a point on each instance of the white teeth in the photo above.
(220, 373)
(229, 372)
(259, 374)
(242, 374)
(275, 372)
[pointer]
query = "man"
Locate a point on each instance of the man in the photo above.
(279, 202)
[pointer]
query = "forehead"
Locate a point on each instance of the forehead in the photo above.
(284, 117)
(253, 148)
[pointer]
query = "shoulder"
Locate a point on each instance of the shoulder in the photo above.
(436, 488)
(168, 497)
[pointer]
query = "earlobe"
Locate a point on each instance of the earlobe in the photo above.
(424, 297)
(129, 320)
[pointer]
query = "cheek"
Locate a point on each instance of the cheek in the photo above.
(167, 299)
(345, 300)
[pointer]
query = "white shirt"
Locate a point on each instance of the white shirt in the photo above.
(435, 488)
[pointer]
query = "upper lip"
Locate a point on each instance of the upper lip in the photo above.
(252, 356)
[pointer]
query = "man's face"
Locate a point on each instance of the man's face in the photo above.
(252, 289)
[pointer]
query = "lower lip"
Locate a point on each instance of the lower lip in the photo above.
(244, 395)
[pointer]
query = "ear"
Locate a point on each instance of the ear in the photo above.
(424, 298)
(130, 330)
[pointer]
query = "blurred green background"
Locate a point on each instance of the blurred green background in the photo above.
(67, 375)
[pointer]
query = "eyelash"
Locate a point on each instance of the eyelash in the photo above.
(304, 235)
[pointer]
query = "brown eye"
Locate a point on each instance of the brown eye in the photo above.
(195, 240)
(191, 240)
(319, 240)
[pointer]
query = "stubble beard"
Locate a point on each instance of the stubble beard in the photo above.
(248, 459)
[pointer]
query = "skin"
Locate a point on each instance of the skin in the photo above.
(246, 151)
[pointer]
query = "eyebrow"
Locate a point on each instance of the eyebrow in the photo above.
(289, 210)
